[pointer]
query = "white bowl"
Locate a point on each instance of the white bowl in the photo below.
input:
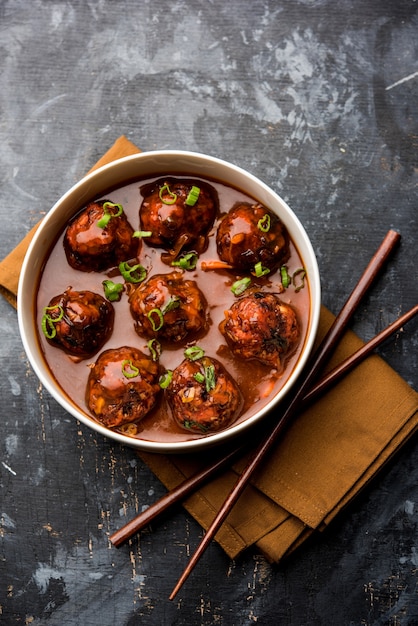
(143, 165)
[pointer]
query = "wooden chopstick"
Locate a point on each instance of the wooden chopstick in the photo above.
(189, 485)
(359, 355)
(327, 345)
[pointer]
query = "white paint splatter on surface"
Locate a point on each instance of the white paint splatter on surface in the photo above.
(405, 79)
(83, 584)
(6, 521)
(412, 558)
(8, 468)
(14, 386)
(11, 443)
(43, 574)
(37, 476)
(409, 507)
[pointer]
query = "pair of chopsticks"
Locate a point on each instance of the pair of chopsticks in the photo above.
(308, 390)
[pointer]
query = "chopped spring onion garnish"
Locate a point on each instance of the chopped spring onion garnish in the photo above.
(154, 347)
(239, 286)
(187, 261)
(301, 272)
(286, 279)
(172, 304)
(193, 196)
(108, 214)
(165, 379)
(193, 353)
(142, 233)
(167, 196)
(48, 321)
(156, 316)
(199, 378)
(260, 271)
(156, 319)
(189, 424)
(264, 223)
(132, 273)
(210, 378)
(112, 291)
(129, 370)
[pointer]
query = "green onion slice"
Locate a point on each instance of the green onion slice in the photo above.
(49, 309)
(172, 304)
(301, 272)
(156, 316)
(132, 273)
(142, 233)
(199, 378)
(166, 195)
(193, 353)
(48, 322)
(48, 328)
(286, 279)
(260, 271)
(239, 286)
(112, 291)
(156, 319)
(129, 370)
(108, 213)
(189, 424)
(264, 223)
(154, 347)
(165, 379)
(192, 196)
(210, 378)
(186, 261)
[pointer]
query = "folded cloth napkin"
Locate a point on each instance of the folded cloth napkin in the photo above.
(330, 452)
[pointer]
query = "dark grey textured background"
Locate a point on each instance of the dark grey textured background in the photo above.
(319, 99)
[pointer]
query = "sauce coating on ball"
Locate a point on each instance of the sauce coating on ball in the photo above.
(100, 237)
(169, 307)
(203, 397)
(262, 327)
(122, 386)
(250, 234)
(78, 322)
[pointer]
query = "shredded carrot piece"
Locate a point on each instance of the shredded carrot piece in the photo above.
(237, 238)
(215, 265)
(100, 405)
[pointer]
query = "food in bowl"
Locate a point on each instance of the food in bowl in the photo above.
(172, 307)
(177, 213)
(122, 386)
(250, 234)
(203, 397)
(262, 327)
(221, 289)
(89, 247)
(168, 307)
(78, 322)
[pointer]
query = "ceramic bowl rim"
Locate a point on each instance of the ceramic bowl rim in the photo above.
(81, 190)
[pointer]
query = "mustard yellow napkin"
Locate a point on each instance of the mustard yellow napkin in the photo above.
(331, 451)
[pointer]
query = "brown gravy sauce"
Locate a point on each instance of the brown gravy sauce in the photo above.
(257, 382)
